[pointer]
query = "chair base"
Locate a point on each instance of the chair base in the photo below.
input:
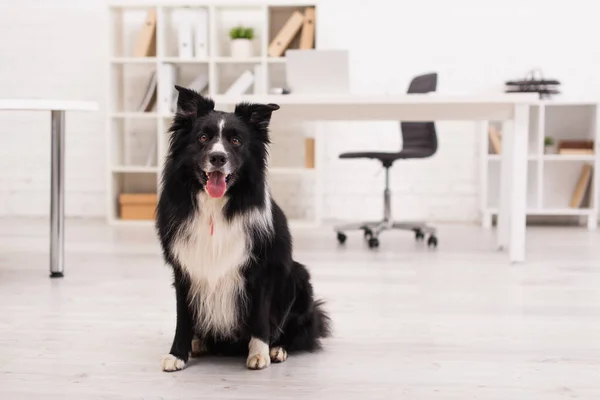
(374, 228)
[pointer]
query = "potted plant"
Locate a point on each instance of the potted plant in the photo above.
(241, 41)
(548, 145)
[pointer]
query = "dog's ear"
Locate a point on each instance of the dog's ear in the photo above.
(192, 104)
(258, 116)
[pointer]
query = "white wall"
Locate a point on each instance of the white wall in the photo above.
(58, 50)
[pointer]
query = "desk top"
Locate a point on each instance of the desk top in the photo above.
(402, 99)
(47, 104)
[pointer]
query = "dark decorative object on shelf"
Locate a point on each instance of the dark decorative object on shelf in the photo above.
(534, 82)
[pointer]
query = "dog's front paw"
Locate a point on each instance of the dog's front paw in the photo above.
(258, 355)
(258, 361)
(170, 363)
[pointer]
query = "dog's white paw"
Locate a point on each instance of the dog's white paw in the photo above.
(258, 361)
(170, 363)
(278, 354)
(198, 347)
(258, 357)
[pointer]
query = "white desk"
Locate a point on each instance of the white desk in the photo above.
(513, 109)
(57, 110)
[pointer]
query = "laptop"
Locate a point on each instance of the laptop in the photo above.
(317, 71)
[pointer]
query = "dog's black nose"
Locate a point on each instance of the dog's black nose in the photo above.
(218, 159)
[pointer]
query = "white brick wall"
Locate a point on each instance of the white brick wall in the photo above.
(56, 49)
(51, 49)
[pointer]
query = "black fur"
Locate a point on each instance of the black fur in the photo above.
(279, 307)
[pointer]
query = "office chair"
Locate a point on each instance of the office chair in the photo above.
(419, 141)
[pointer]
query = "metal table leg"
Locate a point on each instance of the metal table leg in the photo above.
(57, 194)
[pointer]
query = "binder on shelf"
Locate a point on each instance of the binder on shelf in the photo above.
(168, 80)
(145, 45)
(581, 188)
(286, 34)
(307, 37)
(259, 79)
(151, 156)
(309, 152)
(241, 84)
(495, 140)
(201, 34)
(182, 20)
(199, 84)
(149, 99)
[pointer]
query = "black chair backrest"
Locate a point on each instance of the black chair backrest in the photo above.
(420, 135)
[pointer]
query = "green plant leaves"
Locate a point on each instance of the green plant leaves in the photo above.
(241, 32)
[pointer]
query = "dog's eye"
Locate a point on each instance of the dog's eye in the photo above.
(203, 138)
(236, 141)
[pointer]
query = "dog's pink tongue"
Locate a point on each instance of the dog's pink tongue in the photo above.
(216, 184)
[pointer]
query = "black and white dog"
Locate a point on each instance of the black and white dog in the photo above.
(237, 287)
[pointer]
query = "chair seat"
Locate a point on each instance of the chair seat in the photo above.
(389, 157)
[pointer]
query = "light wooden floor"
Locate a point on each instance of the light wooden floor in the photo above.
(458, 323)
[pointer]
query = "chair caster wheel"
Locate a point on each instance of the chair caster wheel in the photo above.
(432, 241)
(341, 238)
(368, 233)
(419, 235)
(373, 243)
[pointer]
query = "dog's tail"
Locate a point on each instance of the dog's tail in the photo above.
(321, 320)
(309, 322)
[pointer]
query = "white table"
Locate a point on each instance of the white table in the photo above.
(511, 108)
(57, 109)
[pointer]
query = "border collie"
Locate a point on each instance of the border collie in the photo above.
(237, 288)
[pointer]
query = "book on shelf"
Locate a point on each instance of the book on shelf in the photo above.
(576, 147)
(241, 84)
(199, 84)
(145, 45)
(582, 186)
(149, 98)
(578, 152)
(495, 140)
(168, 79)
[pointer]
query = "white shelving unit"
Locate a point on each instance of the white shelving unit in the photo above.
(138, 140)
(552, 177)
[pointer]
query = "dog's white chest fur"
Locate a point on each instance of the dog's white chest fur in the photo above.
(213, 251)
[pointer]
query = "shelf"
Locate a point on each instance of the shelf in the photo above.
(177, 60)
(569, 157)
(132, 115)
(551, 211)
(133, 60)
(230, 60)
(551, 157)
(496, 157)
(134, 169)
(134, 135)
